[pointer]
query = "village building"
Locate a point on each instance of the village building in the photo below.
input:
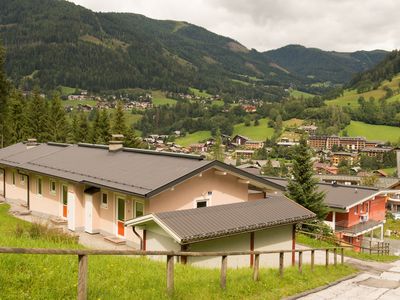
(338, 157)
(310, 129)
(253, 145)
(243, 154)
(96, 188)
(240, 139)
(377, 152)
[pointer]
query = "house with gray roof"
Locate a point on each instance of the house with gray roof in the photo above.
(96, 188)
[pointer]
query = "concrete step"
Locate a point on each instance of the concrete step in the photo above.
(115, 240)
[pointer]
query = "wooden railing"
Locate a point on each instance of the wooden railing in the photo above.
(83, 260)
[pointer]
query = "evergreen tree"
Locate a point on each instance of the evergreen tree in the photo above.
(58, 125)
(4, 93)
(83, 128)
(74, 132)
(94, 128)
(103, 130)
(302, 187)
(131, 140)
(18, 132)
(119, 125)
(269, 170)
(37, 115)
(218, 148)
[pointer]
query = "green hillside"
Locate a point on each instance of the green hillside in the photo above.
(193, 138)
(351, 96)
(374, 132)
(260, 132)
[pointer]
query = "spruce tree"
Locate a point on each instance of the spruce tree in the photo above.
(82, 129)
(18, 132)
(94, 127)
(103, 130)
(58, 125)
(218, 147)
(119, 126)
(302, 187)
(73, 136)
(131, 140)
(4, 94)
(37, 115)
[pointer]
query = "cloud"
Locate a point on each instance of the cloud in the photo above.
(341, 25)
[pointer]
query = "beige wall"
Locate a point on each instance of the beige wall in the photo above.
(17, 191)
(277, 238)
(225, 189)
(48, 203)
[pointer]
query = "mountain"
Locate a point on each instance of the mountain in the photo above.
(336, 67)
(55, 42)
(372, 78)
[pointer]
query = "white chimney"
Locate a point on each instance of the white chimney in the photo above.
(31, 143)
(116, 143)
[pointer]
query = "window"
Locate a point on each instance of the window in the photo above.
(139, 209)
(53, 186)
(22, 179)
(39, 186)
(13, 178)
(356, 210)
(104, 200)
(201, 203)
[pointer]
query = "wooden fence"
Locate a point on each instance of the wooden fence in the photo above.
(84, 254)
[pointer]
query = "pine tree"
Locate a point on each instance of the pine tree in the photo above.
(218, 148)
(94, 127)
(73, 136)
(4, 93)
(83, 128)
(119, 126)
(58, 125)
(18, 132)
(131, 140)
(103, 130)
(37, 115)
(302, 188)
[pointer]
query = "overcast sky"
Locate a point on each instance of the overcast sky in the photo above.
(342, 25)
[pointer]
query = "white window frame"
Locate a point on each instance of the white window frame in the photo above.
(104, 205)
(136, 202)
(207, 201)
(55, 187)
(41, 186)
(205, 198)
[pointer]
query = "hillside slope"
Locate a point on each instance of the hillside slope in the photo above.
(337, 67)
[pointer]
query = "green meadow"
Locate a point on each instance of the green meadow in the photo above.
(300, 94)
(159, 98)
(37, 277)
(260, 132)
(373, 132)
(193, 138)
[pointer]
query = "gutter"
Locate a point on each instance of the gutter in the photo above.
(139, 237)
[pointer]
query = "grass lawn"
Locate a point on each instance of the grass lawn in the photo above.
(116, 277)
(299, 94)
(66, 90)
(74, 103)
(314, 243)
(389, 171)
(193, 138)
(374, 132)
(260, 132)
(294, 122)
(159, 98)
(199, 93)
(394, 226)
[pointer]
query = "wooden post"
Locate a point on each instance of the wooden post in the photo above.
(82, 277)
(312, 259)
(281, 255)
(224, 266)
(170, 274)
(370, 246)
(335, 257)
(342, 256)
(256, 267)
(326, 257)
(301, 262)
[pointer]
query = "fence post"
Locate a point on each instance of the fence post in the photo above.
(335, 257)
(301, 262)
(82, 277)
(281, 263)
(256, 267)
(370, 247)
(326, 257)
(312, 259)
(224, 266)
(170, 274)
(342, 256)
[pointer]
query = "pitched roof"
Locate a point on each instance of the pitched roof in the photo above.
(193, 225)
(136, 171)
(336, 195)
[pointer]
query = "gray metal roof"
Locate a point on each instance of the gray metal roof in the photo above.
(135, 171)
(336, 195)
(359, 228)
(193, 225)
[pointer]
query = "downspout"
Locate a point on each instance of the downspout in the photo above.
(293, 244)
(4, 182)
(138, 235)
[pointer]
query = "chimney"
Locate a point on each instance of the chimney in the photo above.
(398, 162)
(116, 143)
(31, 143)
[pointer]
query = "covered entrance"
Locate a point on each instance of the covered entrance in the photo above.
(91, 213)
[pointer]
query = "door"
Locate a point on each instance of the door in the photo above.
(88, 213)
(64, 200)
(120, 216)
(71, 211)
